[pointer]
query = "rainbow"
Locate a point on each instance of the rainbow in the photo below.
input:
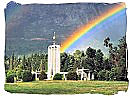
(76, 35)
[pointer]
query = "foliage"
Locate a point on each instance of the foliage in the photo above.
(90, 60)
(117, 59)
(78, 59)
(102, 75)
(32, 62)
(10, 79)
(19, 73)
(42, 76)
(58, 76)
(26, 76)
(10, 76)
(107, 65)
(91, 52)
(99, 60)
(107, 75)
(113, 67)
(72, 75)
(67, 62)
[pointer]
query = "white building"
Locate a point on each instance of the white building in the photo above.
(54, 65)
(53, 59)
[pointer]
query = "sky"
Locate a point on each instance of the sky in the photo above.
(114, 27)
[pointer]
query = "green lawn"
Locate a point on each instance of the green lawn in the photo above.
(67, 87)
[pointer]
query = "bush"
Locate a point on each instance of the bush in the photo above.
(10, 79)
(42, 76)
(57, 77)
(26, 76)
(101, 75)
(115, 73)
(33, 77)
(72, 75)
(10, 76)
(107, 75)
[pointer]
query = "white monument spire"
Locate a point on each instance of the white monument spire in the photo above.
(53, 59)
(54, 39)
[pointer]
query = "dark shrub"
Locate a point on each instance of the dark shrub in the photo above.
(58, 77)
(10, 76)
(33, 77)
(10, 79)
(26, 76)
(72, 75)
(95, 75)
(42, 76)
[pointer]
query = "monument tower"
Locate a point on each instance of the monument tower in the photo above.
(53, 59)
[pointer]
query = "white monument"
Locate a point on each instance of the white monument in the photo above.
(53, 59)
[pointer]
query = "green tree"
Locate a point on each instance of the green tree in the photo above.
(107, 64)
(64, 62)
(10, 76)
(117, 57)
(24, 63)
(90, 59)
(19, 71)
(99, 60)
(91, 53)
(11, 62)
(122, 58)
(79, 59)
(77, 54)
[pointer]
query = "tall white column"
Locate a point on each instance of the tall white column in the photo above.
(53, 60)
(57, 59)
(92, 76)
(77, 71)
(81, 74)
(35, 75)
(49, 63)
(88, 76)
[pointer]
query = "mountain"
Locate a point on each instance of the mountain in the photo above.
(30, 27)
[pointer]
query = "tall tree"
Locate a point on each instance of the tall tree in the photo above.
(77, 57)
(11, 62)
(91, 53)
(118, 57)
(64, 61)
(99, 60)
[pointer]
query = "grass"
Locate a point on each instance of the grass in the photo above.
(67, 87)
